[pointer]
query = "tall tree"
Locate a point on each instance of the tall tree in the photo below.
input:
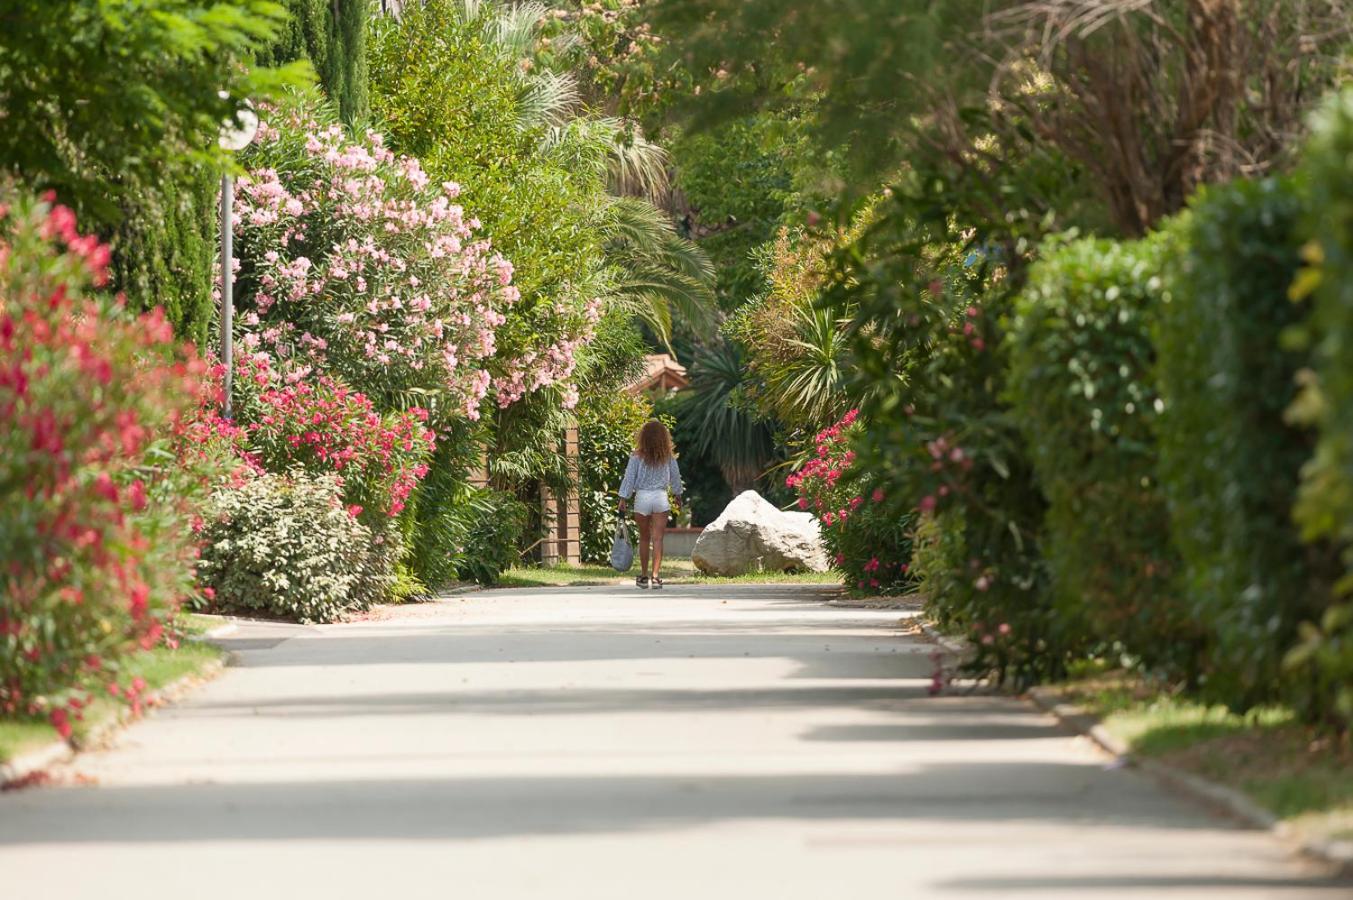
(332, 35)
(116, 105)
(1151, 97)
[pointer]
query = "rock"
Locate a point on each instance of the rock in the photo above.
(752, 535)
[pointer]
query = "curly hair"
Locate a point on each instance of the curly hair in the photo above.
(654, 443)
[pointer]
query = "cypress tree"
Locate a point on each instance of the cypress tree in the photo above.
(332, 35)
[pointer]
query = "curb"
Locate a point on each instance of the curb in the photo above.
(28, 766)
(956, 646)
(1326, 851)
(846, 602)
(456, 591)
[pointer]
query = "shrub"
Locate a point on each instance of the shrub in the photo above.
(869, 541)
(94, 518)
(1229, 463)
(796, 368)
(927, 362)
(496, 522)
(436, 525)
(355, 265)
(452, 88)
(321, 426)
(607, 424)
(1081, 366)
(284, 545)
(1325, 502)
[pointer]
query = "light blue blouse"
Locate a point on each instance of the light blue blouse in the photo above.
(643, 476)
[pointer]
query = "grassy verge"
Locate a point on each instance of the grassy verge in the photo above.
(159, 667)
(674, 571)
(1302, 777)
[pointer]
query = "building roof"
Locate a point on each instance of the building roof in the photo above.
(661, 373)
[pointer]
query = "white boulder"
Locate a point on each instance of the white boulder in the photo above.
(753, 535)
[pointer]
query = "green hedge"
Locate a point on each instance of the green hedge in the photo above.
(1229, 463)
(1081, 387)
(1325, 506)
(331, 34)
(164, 250)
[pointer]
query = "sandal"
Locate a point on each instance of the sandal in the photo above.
(655, 582)
(641, 581)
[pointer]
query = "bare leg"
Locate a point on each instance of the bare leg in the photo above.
(643, 522)
(658, 528)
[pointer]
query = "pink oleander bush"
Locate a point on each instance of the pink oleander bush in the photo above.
(353, 264)
(96, 544)
(322, 426)
(303, 447)
(868, 542)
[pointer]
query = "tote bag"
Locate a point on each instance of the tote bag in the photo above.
(622, 554)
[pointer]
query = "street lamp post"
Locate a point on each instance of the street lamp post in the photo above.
(235, 135)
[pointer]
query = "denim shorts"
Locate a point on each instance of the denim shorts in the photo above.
(646, 503)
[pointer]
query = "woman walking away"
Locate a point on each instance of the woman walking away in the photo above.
(652, 469)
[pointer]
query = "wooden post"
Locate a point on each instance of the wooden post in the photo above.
(560, 520)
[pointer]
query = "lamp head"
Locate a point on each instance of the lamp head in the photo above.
(239, 130)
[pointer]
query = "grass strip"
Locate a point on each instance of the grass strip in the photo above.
(1302, 776)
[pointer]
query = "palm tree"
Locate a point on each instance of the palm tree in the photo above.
(805, 384)
(655, 273)
(718, 424)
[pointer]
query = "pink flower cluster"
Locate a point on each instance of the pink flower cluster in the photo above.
(868, 540)
(321, 425)
(355, 263)
(947, 459)
(818, 477)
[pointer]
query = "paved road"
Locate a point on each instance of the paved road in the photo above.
(699, 743)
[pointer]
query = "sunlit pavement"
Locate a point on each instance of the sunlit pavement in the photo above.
(698, 742)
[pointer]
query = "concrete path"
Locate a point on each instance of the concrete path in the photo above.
(700, 743)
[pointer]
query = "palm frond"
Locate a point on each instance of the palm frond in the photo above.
(658, 265)
(716, 424)
(514, 29)
(811, 385)
(548, 100)
(638, 167)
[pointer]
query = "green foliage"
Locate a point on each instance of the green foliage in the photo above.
(104, 102)
(796, 350)
(929, 297)
(1081, 386)
(664, 279)
(495, 524)
(713, 420)
(1229, 463)
(115, 105)
(1151, 99)
(331, 35)
(1325, 502)
(164, 251)
(607, 425)
(735, 183)
(284, 545)
(436, 523)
